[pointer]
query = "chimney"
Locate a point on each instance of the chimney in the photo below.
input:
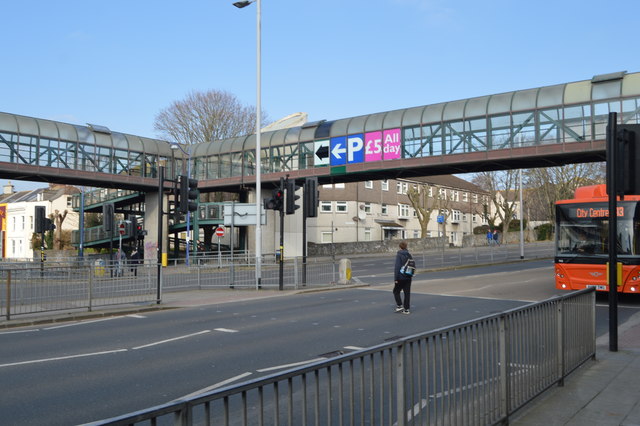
(9, 188)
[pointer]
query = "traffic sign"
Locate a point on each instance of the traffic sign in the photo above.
(220, 231)
(321, 157)
(121, 228)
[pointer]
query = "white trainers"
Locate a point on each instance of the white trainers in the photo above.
(399, 309)
(406, 311)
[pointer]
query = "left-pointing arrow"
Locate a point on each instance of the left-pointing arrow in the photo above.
(338, 150)
(322, 152)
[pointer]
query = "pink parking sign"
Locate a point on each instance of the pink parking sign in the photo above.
(373, 146)
(391, 144)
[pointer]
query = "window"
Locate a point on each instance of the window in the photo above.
(465, 196)
(455, 195)
(341, 206)
(367, 234)
(339, 186)
(325, 206)
(402, 187)
(475, 198)
(367, 208)
(384, 210)
(431, 191)
(69, 202)
(416, 233)
(326, 237)
(403, 210)
(23, 222)
(368, 184)
(385, 185)
(443, 193)
(456, 215)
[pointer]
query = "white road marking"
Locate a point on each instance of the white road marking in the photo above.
(136, 316)
(353, 348)
(295, 364)
(73, 324)
(171, 340)
(60, 358)
(19, 331)
(226, 330)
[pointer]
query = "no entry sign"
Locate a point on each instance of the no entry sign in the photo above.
(220, 231)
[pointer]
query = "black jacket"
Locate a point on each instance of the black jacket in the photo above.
(401, 259)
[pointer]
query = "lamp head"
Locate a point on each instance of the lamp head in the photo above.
(241, 4)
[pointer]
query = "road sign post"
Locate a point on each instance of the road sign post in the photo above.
(219, 233)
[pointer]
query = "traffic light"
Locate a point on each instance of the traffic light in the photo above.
(291, 189)
(107, 217)
(137, 230)
(41, 215)
(627, 157)
(276, 201)
(188, 196)
(311, 197)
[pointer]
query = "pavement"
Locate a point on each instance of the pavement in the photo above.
(604, 391)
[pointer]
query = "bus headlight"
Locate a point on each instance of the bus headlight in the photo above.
(633, 289)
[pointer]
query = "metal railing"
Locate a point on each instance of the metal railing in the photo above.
(475, 373)
(234, 272)
(32, 288)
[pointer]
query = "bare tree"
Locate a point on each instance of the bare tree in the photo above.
(57, 219)
(502, 189)
(204, 117)
(424, 204)
(548, 185)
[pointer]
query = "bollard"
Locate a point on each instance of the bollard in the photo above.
(344, 271)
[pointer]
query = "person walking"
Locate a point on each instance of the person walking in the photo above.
(489, 237)
(402, 281)
(135, 261)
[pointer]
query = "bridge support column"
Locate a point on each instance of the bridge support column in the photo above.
(151, 217)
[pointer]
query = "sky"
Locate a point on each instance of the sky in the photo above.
(119, 63)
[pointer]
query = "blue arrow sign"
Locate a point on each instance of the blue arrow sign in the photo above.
(339, 151)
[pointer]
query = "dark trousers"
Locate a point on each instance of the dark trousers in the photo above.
(405, 287)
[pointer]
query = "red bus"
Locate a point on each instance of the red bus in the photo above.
(582, 240)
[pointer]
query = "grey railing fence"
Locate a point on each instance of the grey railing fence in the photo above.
(31, 287)
(475, 373)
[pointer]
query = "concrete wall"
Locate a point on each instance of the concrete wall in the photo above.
(415, 244)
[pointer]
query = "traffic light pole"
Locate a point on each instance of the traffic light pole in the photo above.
(612, 191)
(282, 209)
(160, 220)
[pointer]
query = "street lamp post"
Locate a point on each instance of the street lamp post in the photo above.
(175, 146)
(240, 5)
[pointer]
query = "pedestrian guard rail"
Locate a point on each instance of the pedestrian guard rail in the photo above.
(68, 285)
(475, 373)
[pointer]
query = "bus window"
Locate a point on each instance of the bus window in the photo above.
(580, 239)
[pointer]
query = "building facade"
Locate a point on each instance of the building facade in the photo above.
(381, 210)
(18, 223)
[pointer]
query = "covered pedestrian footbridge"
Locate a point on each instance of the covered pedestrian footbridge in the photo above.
(546, 126)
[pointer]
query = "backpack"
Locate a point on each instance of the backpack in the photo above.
(409, 268)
